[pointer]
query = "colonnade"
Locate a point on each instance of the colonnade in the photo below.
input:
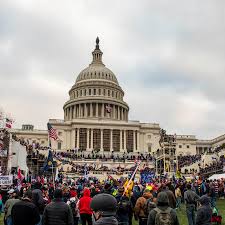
(103, 110)
(127, 140)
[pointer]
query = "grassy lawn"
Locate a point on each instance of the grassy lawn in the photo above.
(181, 214)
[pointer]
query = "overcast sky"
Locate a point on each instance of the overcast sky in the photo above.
(169, 58)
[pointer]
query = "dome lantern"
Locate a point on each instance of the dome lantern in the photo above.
(97, 54)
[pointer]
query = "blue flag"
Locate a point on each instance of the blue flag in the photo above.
(49, 162)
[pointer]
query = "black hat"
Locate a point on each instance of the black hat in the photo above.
(58, 193)
(104, 203)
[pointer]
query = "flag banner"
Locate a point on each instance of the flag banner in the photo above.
(20, 178)
(8, 123)
(49, 162)
(178, 174)
(147, 176)
(6, 180)
(108, 108)
(52, 132)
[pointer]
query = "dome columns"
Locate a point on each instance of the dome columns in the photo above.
(96, 110)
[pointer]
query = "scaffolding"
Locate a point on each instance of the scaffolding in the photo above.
(166, 157)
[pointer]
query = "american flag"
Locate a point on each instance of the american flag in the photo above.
(52, 132)
(108, 108)
(8, 123)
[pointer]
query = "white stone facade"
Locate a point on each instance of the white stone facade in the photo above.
(96, 118)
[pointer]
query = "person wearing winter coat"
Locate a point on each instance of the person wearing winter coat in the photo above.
(25, 212)
(73, 202)
(123, 207)
(57, 212)
(139, 209)
(204, 213)
(164, 209)
(104, 208)
(37, 197)
(84, 207)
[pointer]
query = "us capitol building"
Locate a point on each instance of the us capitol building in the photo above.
(97, 118)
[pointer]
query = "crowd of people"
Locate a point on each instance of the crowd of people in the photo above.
(110, 202)
(215, 166)
(114, 156)
(187, 160)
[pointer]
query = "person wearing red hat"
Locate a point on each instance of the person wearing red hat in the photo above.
(73, 203)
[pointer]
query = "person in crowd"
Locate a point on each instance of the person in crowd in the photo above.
(123, 207)
(162, 214)
(171, 196)
(9, 204)
(212, 195)
(178, 196)
(204, 213)
(57, 212)
(139, 209)
(190, 198)
(1, 204)
(37, 198)
(104, 208)
(84, 207)
(73, 203)
(25, 212)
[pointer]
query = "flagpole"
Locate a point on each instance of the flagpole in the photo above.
(131, 179)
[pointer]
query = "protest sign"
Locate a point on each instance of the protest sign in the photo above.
(6, 180)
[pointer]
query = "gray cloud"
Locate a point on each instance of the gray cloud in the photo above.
(168, 56)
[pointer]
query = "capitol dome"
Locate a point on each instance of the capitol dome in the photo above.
(96, 93)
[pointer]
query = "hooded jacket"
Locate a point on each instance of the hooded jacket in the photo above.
(84, 203)
(140, 204)
(204, 213)
(163, 204)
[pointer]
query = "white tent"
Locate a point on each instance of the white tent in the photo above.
(217, 176)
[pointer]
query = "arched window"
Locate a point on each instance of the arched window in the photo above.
(104, 92)
(94, 91)
(89, 91)
(108, 92)
(99, 91)
(85, 92)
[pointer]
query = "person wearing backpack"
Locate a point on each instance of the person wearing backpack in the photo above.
(123, 207)
(162, 214)
(140, 207)
(73, 203)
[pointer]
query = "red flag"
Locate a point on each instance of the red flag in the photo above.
(8, 123)
(19, 175)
